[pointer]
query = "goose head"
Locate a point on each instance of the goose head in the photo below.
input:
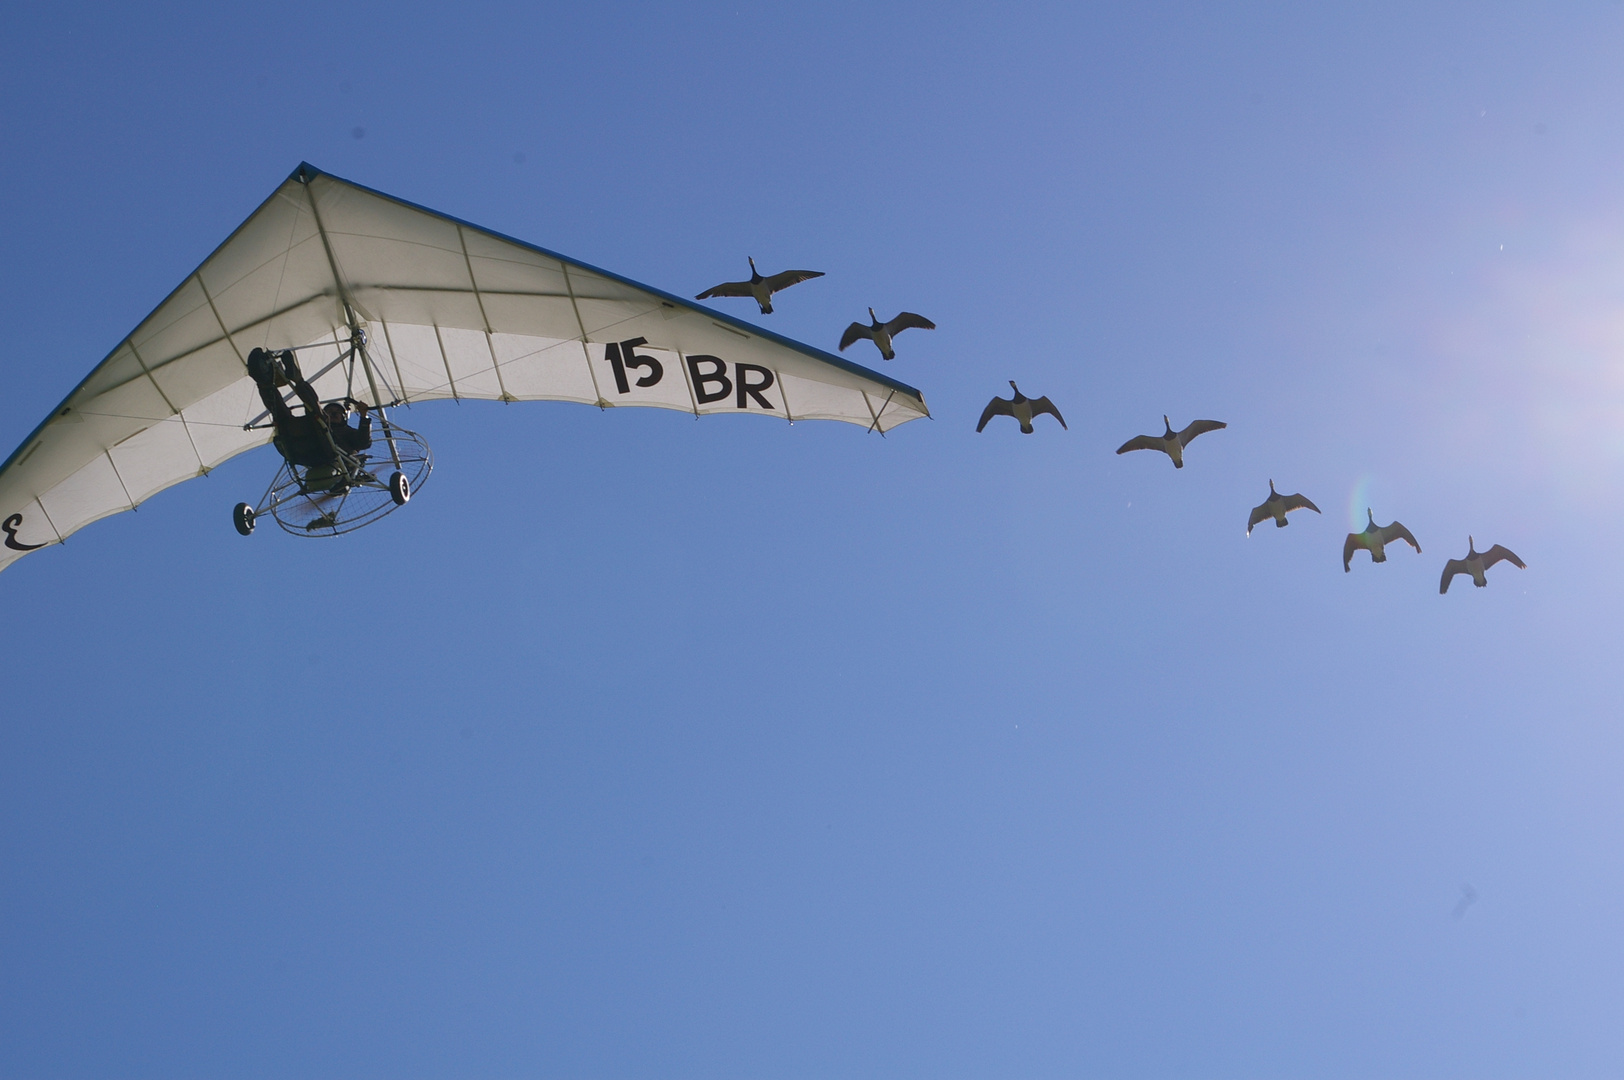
(1371, 516)
(1168, 426)
(1471, 547)
(873, 318)
(1273, 494)
(1018, 395)
(755, 275)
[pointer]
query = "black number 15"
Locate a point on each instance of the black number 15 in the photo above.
(624, 355)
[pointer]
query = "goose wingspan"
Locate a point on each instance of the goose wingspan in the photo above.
(1259, 513)
(855, 333)
(996, 407)
(785, 278)
(1396, 531)
(1044, 405)
(1451, 568)
(1497, 553)
(1199, 427)
(907, 320)
(726, 288)
(1141, 442)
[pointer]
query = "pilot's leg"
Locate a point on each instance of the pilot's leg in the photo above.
(306, 392)
(262, 369)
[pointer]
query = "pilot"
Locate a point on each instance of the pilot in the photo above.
(351, 440)
(303, 440)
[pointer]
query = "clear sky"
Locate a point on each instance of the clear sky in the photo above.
(640, 746)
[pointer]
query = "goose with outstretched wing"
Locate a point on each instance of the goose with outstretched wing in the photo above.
(881, 333)
(1375, 539)
(1278, 506)
(1172, 443)
(1021, 407)
(1476, 562)
(760, 288)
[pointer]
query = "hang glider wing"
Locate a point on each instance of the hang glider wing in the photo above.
(449, 310)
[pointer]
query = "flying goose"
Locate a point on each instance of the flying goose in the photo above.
(1374, 539)
(761, 288)
(1278, 506)
(1173, 443)
(1476, 562)
(882, 333)
(1021, 407)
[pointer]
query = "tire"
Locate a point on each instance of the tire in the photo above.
(400, 488)
(243, 517)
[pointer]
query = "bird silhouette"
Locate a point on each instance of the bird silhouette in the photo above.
(1278, 506)
(760, 288)
(1173, 442)
(1476, 562)
(1375, 539)
(882, 333)
(1021, 407)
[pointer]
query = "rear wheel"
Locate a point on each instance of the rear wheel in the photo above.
(400, 488)
(243, 518)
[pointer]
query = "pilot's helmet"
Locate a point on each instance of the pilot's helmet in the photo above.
(335, 412)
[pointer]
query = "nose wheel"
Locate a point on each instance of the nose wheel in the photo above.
(400, 488)
(242, 516)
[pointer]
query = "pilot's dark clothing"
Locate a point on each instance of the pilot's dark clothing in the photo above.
(353, 440)
(302, 440)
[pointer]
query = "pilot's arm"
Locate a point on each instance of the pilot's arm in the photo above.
(363, 431)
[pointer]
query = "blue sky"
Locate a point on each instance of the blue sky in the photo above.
(640, 746)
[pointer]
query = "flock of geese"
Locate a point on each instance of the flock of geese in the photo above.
(761, 289)
(1373, 538)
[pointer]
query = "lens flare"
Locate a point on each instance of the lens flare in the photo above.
(1358, 500)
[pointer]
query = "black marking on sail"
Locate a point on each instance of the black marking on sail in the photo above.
(10, 526)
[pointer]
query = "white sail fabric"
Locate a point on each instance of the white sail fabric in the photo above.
(449, 310)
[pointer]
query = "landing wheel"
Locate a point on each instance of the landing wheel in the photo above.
(243, 518)
(357, 490)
